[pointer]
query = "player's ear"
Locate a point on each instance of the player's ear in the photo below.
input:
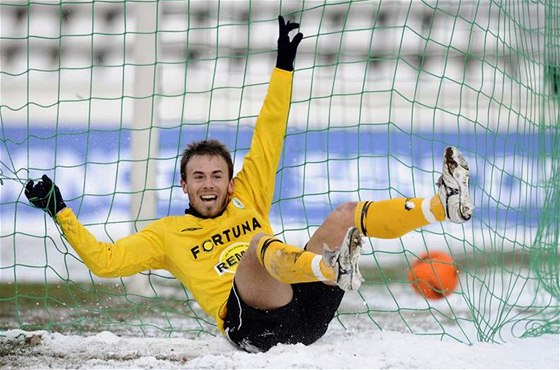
(230, 187)
(184, 186)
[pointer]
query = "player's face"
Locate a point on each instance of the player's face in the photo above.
(208, 184)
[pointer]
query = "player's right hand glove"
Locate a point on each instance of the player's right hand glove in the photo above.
(286, 49)
(45, 195)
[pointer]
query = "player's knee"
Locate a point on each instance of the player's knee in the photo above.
(256, 239)
(250, 255)
(344, 213)
(254, 243)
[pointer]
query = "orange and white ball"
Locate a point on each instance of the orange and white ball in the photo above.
(434, 275)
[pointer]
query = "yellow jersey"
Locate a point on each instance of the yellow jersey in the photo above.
(203, 253)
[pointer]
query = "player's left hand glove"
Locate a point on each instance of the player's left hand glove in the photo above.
(286, 49)
(45, 195)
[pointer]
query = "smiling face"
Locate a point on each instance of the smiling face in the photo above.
(207, 184)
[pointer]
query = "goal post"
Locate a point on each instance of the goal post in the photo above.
(144, 135)
(104, 96)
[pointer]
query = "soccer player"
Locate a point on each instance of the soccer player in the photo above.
(260, 290)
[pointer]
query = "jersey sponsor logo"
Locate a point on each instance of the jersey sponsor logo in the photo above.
(230, 258)
(237, 203)
(226, 236)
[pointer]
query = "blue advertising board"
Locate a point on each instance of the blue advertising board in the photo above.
(319, 168)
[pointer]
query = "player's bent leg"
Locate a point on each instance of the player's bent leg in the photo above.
(453, 186)
(255, 286)
(255, 324)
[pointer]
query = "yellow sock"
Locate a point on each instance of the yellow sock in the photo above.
(290, 264)
(388, 219)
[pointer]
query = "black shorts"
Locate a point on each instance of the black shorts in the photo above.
(304, 320)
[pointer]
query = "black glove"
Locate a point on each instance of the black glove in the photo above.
(45, 195)
(286, 49)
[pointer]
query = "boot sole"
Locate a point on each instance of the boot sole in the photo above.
(452, 164)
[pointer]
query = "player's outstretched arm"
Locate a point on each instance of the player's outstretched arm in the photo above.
(45, 195)
(256, 180)
(287, 49)
(118, 259)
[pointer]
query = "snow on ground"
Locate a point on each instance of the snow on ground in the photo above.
(338, 349)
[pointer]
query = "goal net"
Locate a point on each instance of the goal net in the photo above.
(104, 95)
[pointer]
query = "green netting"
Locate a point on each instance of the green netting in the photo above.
(103, 95)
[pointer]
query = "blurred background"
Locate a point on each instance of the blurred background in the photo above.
(104, 95)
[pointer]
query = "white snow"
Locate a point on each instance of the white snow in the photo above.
(337, 349)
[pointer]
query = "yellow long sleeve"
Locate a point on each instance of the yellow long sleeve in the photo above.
(135, 253)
